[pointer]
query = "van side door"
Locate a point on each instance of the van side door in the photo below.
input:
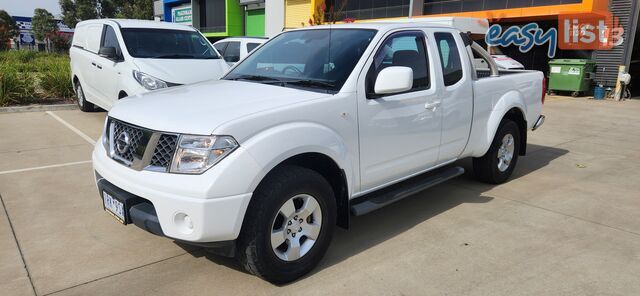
(89, 43)
(109, 71)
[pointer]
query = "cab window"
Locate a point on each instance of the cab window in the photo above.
(252, 46)
(109, 39)
(232, 52)
(406, 49)
(220, 47)
(449, 58)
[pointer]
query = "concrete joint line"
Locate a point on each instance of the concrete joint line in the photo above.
(44, 167)
(15, 238)
(72, 128)
(115, 274)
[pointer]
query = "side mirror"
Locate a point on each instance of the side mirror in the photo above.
(108, 53)
(393, 80)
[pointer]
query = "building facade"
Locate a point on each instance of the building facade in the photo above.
(224, 18)
(504, 12)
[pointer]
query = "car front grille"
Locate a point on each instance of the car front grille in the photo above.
(134, 135)
(140, 148)
(163, 153)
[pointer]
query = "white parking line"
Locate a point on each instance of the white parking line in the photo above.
(71, 127)
(45, 167)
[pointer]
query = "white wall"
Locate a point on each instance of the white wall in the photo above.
(274, 17)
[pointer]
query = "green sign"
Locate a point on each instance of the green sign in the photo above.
(181, 15)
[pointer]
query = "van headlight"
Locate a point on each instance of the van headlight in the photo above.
(149, 82)
(196, 154)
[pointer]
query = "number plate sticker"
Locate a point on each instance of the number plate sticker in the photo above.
(113, 206)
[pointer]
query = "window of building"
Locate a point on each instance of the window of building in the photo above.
(453, 6)
(368, 9)
(212, 16)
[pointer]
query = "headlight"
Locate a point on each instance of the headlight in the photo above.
(147, 81)
(196, 154)
(105, 134)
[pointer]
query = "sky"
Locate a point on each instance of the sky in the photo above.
(26, 7)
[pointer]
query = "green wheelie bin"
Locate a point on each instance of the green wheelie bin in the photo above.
(572, 75)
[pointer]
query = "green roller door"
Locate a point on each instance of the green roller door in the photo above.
(255, 22)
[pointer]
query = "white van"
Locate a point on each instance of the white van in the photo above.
(112, 59)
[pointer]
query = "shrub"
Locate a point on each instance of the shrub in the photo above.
(55, 81)
(15, 87)
(25, 75)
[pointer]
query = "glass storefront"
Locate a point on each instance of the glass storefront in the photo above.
(370, 9)
(453, 6)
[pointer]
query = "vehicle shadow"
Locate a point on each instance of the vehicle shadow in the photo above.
(384, 224)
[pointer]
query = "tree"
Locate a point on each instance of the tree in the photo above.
(74, 11)
(133, 9)
(8, 29)
(43, 25)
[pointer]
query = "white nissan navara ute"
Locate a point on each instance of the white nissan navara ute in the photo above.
(316, 125)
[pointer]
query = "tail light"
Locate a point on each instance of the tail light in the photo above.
(544, 89)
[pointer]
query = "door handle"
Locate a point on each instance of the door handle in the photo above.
(93, 63)
(99, 67)
(432, 106)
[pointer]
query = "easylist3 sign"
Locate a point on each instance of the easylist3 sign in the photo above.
(576, 31)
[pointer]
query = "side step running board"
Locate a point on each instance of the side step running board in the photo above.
(375, 200)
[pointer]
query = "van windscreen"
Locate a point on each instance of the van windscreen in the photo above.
(167, 44)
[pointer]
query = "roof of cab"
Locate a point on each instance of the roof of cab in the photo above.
(131, 23)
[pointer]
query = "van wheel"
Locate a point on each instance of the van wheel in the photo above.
(82, 101)
(288, 226)
(497, 165)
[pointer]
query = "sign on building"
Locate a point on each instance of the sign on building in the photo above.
(181, 15)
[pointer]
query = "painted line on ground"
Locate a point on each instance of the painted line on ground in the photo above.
(45, 167)
(71, 127)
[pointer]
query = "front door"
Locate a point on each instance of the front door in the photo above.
(399, 133)
(108, 72)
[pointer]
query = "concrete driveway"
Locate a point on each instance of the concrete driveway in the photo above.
(567, 223)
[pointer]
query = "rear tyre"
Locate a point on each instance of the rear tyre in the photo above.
(497, 165)
(289, 225)
(84, 105)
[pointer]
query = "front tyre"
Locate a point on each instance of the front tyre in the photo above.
(83, 104)
(497, 165)
(288, 226)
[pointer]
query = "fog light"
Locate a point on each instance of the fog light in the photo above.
(183, 223)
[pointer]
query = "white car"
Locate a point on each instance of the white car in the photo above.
(235, 49)
(318, 124)
(114, 58)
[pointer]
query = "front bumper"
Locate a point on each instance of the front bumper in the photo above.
(173, 196)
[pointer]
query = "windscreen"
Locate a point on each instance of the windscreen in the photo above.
(167, 44)
(319, 59)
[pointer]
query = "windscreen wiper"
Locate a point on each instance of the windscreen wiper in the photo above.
(311, 83)
(174, 56)
(261, 79)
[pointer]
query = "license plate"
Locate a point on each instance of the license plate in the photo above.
(113, 206)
